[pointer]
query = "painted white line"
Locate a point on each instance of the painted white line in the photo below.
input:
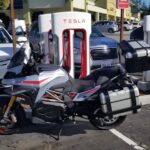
(145, 99)
(126, 139)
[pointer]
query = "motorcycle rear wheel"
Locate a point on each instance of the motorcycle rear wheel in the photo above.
(106, 123)
(11, 127)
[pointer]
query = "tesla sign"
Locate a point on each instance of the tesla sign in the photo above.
(122, 4)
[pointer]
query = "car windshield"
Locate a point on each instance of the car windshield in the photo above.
(96, 33)
(135, 23)
(4, 37)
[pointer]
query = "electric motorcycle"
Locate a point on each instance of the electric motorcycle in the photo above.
(52, 95)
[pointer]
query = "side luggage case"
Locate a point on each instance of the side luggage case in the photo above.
(136, 55)
(120, 102)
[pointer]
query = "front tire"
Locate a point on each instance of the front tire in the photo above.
(8, 126)
(110, 30)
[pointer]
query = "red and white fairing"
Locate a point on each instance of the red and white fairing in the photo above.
(54, 77)
(42, 81)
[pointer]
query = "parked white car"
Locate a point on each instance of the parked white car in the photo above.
(18, 24)
(6, 50)
(127, 26)
(136, 25)
(106, 26)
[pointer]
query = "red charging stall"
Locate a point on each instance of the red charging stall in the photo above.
(64, 25)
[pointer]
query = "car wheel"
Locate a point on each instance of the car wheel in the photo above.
(125, 29)
(110, 30)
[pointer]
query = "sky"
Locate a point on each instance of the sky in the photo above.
(147, 1)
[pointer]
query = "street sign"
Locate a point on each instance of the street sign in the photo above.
(122, 4)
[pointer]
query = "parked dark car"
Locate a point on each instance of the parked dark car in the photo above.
(103, 50)
(137, 34)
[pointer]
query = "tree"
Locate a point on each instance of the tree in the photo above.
(138, 3)
(4, 4)
(145, 8)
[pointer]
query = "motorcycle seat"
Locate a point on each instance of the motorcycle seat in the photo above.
(104, 74)
(97, 77)
(48, 67)
(82, 85)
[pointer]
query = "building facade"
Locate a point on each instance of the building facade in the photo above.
(99, 9)
(46, 6)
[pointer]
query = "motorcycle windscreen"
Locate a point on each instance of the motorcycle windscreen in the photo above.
(17, 62)
(21, 57)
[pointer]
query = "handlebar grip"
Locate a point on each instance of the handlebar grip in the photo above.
(121, 69)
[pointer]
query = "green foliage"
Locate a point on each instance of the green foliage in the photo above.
(140, 5)
(4, 4)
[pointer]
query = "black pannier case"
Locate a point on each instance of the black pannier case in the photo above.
(136, 54)
(120, 102)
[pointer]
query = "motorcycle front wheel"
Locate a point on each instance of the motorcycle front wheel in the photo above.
(15, 120)
(106, 123)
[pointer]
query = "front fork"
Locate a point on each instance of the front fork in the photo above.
(10, 104)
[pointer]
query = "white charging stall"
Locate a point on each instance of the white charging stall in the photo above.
(146, 28)
(146, 74)
(64, 24)
(45, 26)
(144, 84)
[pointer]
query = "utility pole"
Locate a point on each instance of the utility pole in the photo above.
(122, 4)
(12, 14)
(121, 25)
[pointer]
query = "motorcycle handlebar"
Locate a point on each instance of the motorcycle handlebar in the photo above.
(122, 69)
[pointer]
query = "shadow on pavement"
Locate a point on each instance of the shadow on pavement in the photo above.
(68, 128)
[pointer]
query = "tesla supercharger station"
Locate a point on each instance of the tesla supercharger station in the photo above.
(64, 24)
(145, 83)
(45, 26)
(146, 28)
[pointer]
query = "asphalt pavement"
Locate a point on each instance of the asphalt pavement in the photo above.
(82, 135)
(116, 35)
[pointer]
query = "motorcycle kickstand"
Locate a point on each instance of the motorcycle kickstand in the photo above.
(61, 125)
(60, 130)
(73, 119)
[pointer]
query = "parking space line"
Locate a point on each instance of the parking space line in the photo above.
(126, 139)
(145, 99)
